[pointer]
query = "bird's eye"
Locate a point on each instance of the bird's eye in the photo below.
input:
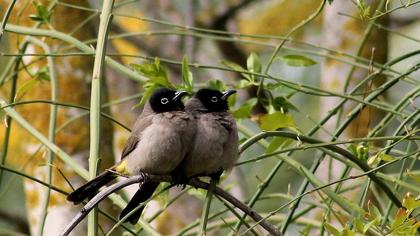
(164, 101)
(214, 99)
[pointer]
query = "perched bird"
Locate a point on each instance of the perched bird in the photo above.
(215, 146)
(159, 141)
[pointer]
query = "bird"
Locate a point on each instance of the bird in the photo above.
(158, 142)
(215, 146)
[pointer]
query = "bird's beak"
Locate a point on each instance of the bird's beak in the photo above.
(179, 95)
(227, 93)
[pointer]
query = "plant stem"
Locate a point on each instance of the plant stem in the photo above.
(95, 103)
(51, 129)
(206, 207)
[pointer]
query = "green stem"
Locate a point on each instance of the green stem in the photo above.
(206, 208)
(259, 192)
(73, 41)
(8, 122)
(69, 105)
(70, 162)
(6, 17)
(51, 129)
(95, 104)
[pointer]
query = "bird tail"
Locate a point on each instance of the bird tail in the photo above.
(145, 191)
(90, 188)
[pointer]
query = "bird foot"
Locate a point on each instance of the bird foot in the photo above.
(143, 177)
(179, 180)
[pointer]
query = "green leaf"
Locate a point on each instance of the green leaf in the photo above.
(278, 142)
(42, 13)
(216, 84)
(253, 63)
(154, 71)
(353, 149)
(331, 229)
(330, 1)
(243, 84)
(359, 225)
(43, 74)
(35, 18)
(232, 100)
(385, 157)
(234, 66)
(276, 121)
(347, 232)
(362, 152)
(187, 75)
(199, 193)
(282, 104)
(374, 211)
(163, 197)
(410, 202)
(374, 217)
(297, 60)
(400, 217)
(146, 95)
(373, 161)
(413, 176)
(26, 87)
(244, 111)
(364, 9)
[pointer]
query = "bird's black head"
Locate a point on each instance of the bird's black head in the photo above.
(164, 100)
(214, 100)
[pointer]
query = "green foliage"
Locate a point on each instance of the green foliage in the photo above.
(163, 196)
(253, 65)
(402, 224)
(42, 14)
(157, 77)
(42, 74)
(244, 111)
(216, 84)
(278, 120)
(413, 176)
(364, 9)
(380, 156)
(238, 68)
(362, 151)
(282, 104)
(187, 76)
(155, 72)
(278, 142)
(297, 60)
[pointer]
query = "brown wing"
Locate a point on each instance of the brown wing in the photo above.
(141, 124)
(129, 146)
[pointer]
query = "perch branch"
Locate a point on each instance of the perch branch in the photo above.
(156, 178)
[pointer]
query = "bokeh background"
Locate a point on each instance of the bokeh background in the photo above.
(307, 55)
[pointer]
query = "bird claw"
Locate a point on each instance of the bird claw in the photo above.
(143, 177)
(179, 180)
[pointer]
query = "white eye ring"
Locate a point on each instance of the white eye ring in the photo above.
(164, 101)
(214, 99)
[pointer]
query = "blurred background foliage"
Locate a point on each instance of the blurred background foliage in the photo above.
(324, 69)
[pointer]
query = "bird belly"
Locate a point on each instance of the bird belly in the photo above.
(206, 155)
(158, 152)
